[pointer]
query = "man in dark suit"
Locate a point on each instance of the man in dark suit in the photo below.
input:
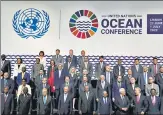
(102, 86)
(100, 67)
(69, 85)
(155, 67)
(7, 81)
(154, 103)
(131, 88)
(5, 65)
(109, 77)
(24, 105)
(65, 102)
(122, 103)
(84, 83)
(23, 75)
(116, 86)
(58, 81)
(128, 76)
(43, 85)
(68, 65)
(81, 58)
(105, 105)
(119, 69)
(159, 80)
(7, 102)
(44, 104)
(87, 103)
(137, 69)
(74, 60)
(139, 103)
(39, 78)
(143, 79)
(58, 58)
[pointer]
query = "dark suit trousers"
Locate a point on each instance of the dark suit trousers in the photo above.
(57, 93)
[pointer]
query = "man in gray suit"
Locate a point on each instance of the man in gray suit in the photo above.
(100, 67)
(58, 58)
(36, 69)
(44, 104)
(65, 102)
(137, 69)
(155, 67)
(87, 103)
(122, 103)
(86, 65)
(81, 58)
(39, 78)
(151, 85)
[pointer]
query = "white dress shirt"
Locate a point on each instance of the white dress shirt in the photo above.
(17, 70)
(119, 70)
(101, 64)
(60, 73)
(20, 89)
(86, 64)
(65, 97)
(43, 62)
(103, 84)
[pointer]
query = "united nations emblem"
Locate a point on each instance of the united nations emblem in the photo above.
(31, 23)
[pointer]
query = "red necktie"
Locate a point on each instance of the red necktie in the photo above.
(137, 99)
(153, 100)
(5, 97)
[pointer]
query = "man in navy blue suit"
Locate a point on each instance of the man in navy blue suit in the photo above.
(73, 58)
(68, 65)
(58, 81)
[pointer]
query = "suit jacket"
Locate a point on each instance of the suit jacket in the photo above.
(126, 79)
(105, 108)
(24, 104)
(8, 106)
(141, 80)
(99, 70)
(81, 87)
(112, 80)
(74, 60)
(89, 69)
(36, 70)
(10, 84)
(44, 109)
(6, 67)
(119, 104)
(38, 80)
(49, 70)
(116, 70)
(41, 87)
(65, 107)
(59, 60)
(19, 78)
(80, 61)
(115, 89)
(159, 80)
(71, 89)
(99, 89)
(130, 91)
(136, 73)
(140, 106)
(148, 88)
(85, 105)
(154, 108)
(74, 80)
(66, 68)
(58, 81)
(152, 69)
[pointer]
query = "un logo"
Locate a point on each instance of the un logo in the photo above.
(31, 23)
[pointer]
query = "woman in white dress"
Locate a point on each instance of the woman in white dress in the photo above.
(42, 60)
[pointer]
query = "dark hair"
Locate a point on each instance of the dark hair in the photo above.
(57, 50)
(38, 59)
(52, 60)
(21, 61)
(153, 89)
(42, 53)
(136, 59)
(101, 57)
(154, 58)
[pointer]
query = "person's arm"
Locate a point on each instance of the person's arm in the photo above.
(12, 105)
(145, 102)
(18, 105)
(79, 104)
(157, 90)
(97, 89)
(146, 90)
(12, 86)
(38, 106)
(128, 103)
(51, 107)
(71, 104)
(9, 68)
(28, 78)
(98, 107)
(29, 90)
(123, 71)
(48, 72)
(111, 108)
(32, 73)
(59, 104)
(30, 107)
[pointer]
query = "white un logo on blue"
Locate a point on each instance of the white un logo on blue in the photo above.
(31, 23)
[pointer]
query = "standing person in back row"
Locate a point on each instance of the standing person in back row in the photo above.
(74, 60)
(119, 69)
(5, 65)
(42, 60)
(155, 67)
(58, 58)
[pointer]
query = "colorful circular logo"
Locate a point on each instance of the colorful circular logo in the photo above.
(83, 24)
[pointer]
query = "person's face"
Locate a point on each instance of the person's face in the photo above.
(161, 69)
(85, 72)
(65, 89)
(52, 63)
(57, 52)
(41, 54)
(69, 59)
(129, 72)
(71, 52)
(137, 91)
(23, 69)
(6, 75)
(150, 80)
(145, 69)
(119, 79)
(101, 59)
(44, 92)
(108, 68)
(37, 61)
(3, 57)
(73, 70)
(85, 79)
(119, 62)
(155, 61)
(136, 62)
(44, 81)
(59, 67)
(83, 53)
(102, 77)
(132, 80)
(105, 94)
(153, 92)
(41, 72)
(5, 90)
(67, 79)
(25, 90)
(123, 92)
(19, 61)
(85, 59)
(86, 88)
(23, 83)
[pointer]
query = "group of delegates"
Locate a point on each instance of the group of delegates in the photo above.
(140, 91)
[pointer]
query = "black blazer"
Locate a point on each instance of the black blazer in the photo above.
(44, 109)
(24, 104)
(65, 107)
(6, 67)
(8, 106)
(130, 91)
(10, 84)
(74, 80)
(116, 70)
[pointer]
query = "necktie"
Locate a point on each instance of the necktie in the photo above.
(137, 99)
(123, 99)
(87, 95)
(153, 100)
(5, 97)
(119, 70)
(145, 77)
(105, 100)
(44, 99)
(155, 69)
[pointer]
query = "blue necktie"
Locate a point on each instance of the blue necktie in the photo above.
(44, 100)
(145, 77)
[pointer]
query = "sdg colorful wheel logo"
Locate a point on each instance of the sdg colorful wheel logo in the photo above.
(83, 24)
(31, 23)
